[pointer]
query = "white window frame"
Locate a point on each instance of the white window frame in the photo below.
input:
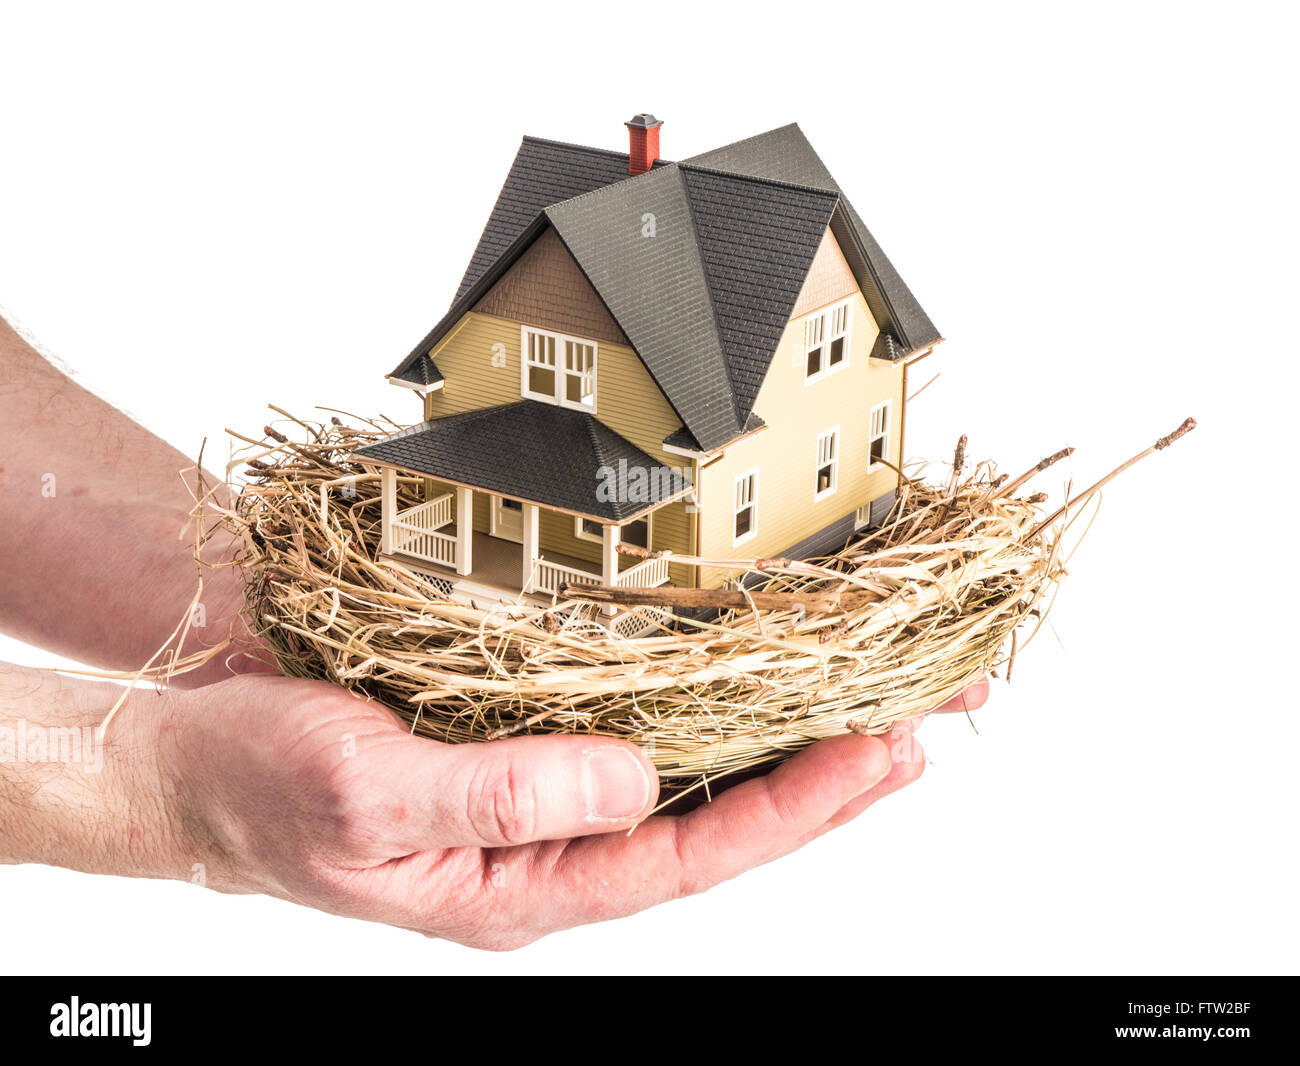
(752, 504)
(885, 410)
(581, 534)
(830, 438)
(821, 328)
(559, 368)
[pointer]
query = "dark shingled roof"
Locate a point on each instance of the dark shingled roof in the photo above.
(543, 173)
(786, 155)
(657, 291)
(533, 451)
(705, 300)
(757, 240)
(420, 371)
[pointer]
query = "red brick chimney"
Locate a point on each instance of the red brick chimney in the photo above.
(643, 142)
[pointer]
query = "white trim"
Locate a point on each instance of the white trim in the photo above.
(674, 450)
(532, 546)
(752, 504)
(828, 326)
(557, 367)
(412, 385)
(833, 458)
(885, 410)
(464, 530)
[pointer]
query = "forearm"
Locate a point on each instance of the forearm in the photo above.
(93, 507)
(71, 798)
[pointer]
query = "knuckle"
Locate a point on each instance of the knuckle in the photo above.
(503, 806)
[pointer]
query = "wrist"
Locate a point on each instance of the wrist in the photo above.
(76, 797)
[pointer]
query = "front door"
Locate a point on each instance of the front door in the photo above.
(507, 519)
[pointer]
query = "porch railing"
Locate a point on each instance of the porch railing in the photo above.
(415, 532)
(431, 546)
(434, 514)
(646, 574)
(550, 576)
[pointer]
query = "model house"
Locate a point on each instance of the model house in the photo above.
(706, 356)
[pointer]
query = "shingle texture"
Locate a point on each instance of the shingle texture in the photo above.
(543, 173)
(657, 290)
(757, 240)
(699, 263)
(537, 452)
(786, 155)
(419, 371)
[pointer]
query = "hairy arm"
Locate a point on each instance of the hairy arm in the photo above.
(97, 566)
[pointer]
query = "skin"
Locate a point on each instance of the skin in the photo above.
(249, 782)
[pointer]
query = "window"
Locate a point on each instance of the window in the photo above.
(746, 506)
(637, 532)
(558, 369)
(878, 437)
(828, 464)
(826, 340)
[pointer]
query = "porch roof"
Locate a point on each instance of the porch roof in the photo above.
(539, 453)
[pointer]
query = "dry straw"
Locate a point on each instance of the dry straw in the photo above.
(895, 623)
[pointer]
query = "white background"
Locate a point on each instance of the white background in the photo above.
(205, 212)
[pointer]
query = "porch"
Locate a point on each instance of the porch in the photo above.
(439, 535)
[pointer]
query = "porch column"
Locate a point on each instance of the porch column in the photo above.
(531, 542)
(464, 530)
(609, 557)
(387, 508)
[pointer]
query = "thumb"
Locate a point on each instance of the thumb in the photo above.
(507, 792)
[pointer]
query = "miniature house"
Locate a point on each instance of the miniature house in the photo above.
(707, 357)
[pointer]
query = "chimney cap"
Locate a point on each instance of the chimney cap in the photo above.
(643, 121)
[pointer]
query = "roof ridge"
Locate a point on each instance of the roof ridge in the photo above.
(611, 152)
(662, 168)
(736, 175)
(571, 144)
(590, 423)
(713, 302)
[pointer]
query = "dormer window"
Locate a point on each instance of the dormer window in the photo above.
(826, 340)
(558, 369)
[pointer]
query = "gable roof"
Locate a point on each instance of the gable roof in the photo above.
(786, 155)
(704, 301)
(758, 240)
(538, 452)
(657, 290)
(543, 173)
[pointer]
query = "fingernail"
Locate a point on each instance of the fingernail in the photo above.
(617, 784)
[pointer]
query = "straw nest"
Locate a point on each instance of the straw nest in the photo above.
(897, 622)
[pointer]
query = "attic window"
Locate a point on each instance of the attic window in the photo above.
(826, 340)
(558, 369)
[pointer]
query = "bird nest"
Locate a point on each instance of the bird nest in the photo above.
(903, 617)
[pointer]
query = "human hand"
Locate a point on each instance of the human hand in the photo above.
(302, 791)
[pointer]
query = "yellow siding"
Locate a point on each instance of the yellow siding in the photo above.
(785, 452)
(480, 362)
